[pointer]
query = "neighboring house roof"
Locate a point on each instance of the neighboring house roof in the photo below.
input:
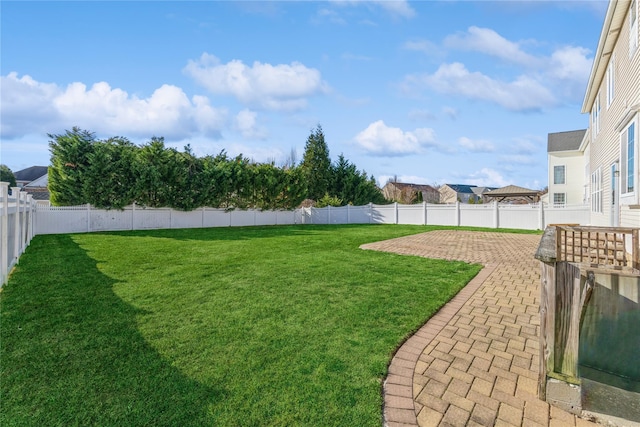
(513, 191)
(30, 174)
(461, 188)
(479, 191)
(565, 141)
(41, 182)
(417, 187)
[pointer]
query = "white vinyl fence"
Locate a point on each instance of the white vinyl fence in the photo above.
(16, 227)
(84, 219)
(22, 218)
(491, 215)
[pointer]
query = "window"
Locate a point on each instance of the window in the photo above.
(595, 116)
(558, 174)
(627, 158)
(633, 28)
(596, 191)
(611, 77)
(558, 198)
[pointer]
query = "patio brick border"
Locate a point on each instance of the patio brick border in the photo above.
(399, 408)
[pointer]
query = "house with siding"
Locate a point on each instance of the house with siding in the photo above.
(568, 180)
(612, 99)
(463, 193)
(30, 174)
(407, 193)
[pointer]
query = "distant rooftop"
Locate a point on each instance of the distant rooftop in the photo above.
(462, 188)
(565, 141)
(30, 174)
(417, 187)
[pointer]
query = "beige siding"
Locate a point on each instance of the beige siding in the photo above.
(630, 217)
(448, 195)
(605, 146)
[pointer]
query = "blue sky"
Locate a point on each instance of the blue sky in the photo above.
(432, 92)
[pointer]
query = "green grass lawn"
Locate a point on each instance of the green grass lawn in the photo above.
(289, 326)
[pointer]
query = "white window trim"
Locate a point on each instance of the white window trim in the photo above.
(595, 117)
(596, 191)
(564, 199)
(624, 160)
(564, 174)
(611, 80)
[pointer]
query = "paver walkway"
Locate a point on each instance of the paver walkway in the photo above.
(475, 363)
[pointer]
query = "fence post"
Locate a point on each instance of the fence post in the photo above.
(133, 215)
(457, 213)
(496, 214)
(34, 218)
(395, 212)
(424, 213)
(88, 218)
(23, 218)
(4, 250)
(16, 227)
(370, 211)
(541, 221)
(348, 214)
(32, 211)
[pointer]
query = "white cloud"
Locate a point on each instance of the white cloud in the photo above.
(30, 107)
(476, 146)
(569, 67)
(486, 177)
(522, 94)
(283, 87)
(397, 8)
(246, 123)
(382, 140)
(487, 41)
(544, 80)
(25, 106)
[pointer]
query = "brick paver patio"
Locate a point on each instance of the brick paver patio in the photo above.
(475, 363)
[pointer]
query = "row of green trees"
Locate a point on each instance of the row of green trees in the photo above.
(114, 173)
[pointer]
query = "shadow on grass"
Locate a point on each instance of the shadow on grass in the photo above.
(71, 354)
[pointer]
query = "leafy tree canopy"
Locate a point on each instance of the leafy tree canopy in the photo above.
(114, 173)
(6, 175)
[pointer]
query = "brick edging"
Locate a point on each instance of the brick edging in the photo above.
(397, 390)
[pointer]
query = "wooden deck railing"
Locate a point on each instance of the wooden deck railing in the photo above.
(615, 248)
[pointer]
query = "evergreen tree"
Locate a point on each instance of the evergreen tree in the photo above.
(316, 165)
(109, 179)
(153, 165)
(70, 154)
